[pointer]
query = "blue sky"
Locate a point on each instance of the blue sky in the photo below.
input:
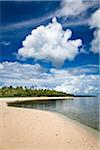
(50, 44)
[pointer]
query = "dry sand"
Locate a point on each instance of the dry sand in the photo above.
(29, 129)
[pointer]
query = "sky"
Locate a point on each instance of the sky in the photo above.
(50, 44)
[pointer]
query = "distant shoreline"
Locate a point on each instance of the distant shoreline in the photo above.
(13, 99)
(10, 99)
(11, 92)
(84, 96)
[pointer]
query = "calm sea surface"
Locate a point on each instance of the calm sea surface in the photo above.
(84, 110)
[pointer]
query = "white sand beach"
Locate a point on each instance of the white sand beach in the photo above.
(33, 98)
(29, 129)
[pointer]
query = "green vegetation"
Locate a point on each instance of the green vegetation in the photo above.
(26, 92)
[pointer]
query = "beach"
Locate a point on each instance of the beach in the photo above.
(29, 129)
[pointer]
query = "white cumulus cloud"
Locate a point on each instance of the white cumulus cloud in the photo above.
(95, 23)
(50, 43)
(82, 84)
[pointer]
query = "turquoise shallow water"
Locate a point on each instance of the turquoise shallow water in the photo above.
(84, 110)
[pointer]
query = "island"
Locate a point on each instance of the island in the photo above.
(31, 92)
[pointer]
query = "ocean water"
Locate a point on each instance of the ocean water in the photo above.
(84, 109)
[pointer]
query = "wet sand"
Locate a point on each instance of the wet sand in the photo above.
(29, 129)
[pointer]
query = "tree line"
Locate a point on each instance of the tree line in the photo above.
(29, 92)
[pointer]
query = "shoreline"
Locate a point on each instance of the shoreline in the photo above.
(11, 99)
(17, 100)
(44, 97)
(88, 128)
(27, 129)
